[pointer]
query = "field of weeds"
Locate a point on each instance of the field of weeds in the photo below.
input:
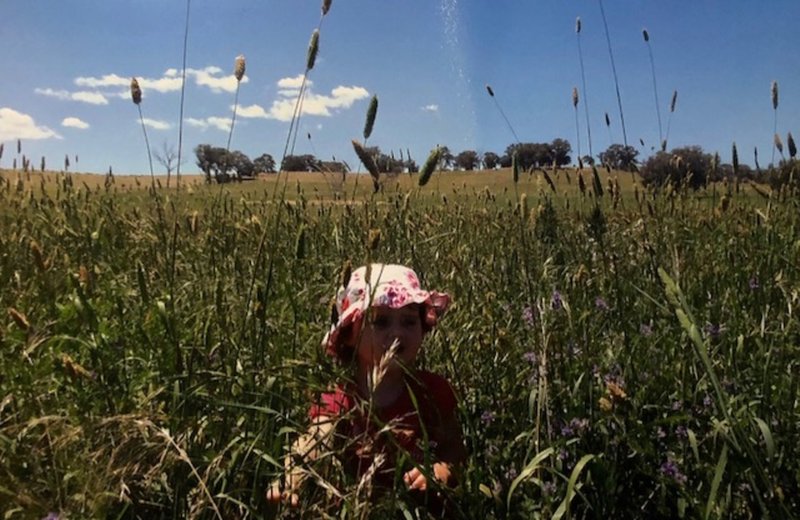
(624, 355)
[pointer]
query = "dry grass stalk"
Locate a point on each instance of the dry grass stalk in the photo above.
(19, 319)
(430, 165)
(774, 92)
(369, 162)
(372, 112)
(778, 143)
(239, 67)
(136, 91)
(313, 49)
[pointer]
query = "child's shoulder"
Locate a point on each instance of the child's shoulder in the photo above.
(438, 388)
(332, 403)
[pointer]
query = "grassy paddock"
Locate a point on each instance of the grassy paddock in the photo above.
(618, 358)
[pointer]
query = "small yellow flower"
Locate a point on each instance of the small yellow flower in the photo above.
(615, 391)
(605, 405)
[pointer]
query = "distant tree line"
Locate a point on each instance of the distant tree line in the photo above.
(687, 166)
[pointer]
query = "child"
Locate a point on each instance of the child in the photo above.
(390, 409)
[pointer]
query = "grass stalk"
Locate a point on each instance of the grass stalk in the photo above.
(614, 71)
(578, 26)
(183, 95)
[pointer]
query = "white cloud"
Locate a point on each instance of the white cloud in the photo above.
(293, 83)
(254, 111)
(74, 122)
(209, 77)
(220, 123)
(16, 125)
(340, 97)
(156, 124)
(109, 80)
(431, 108)
(93, 98)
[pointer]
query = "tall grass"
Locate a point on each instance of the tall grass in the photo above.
(614, 72)
(578, 28)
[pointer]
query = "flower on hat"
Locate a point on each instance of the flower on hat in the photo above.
(385, 285)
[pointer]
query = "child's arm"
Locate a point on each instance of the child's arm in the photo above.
(305, 449)
(450, 455)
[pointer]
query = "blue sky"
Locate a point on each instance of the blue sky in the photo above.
(67, 66)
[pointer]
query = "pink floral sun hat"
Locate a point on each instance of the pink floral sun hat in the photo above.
(389, 285)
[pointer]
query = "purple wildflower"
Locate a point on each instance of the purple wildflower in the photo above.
(52, 516)
(579, 425)
(660, 433)
(549, 488)
(567, 431)
(671, 470)
(677, 405)
(528, 316)
(754, 283)
(556, 303)
(707, 401)
(681, 432)
(530, 357)
(646, 330)
(600, 303)
(563, 454)
(511, 474)
(488, 417)
(713, 331)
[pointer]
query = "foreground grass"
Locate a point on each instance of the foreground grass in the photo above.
(160, 348)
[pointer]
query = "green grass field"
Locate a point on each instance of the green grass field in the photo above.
(633, 355)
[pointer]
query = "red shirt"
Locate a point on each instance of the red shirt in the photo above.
(398, 429)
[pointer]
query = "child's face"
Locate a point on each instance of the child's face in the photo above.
(382, 326)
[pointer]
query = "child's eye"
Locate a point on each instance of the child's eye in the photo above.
(410, 321)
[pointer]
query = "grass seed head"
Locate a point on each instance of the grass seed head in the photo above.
(372, 112)
(645, 35)
(578, 25)
(778, 143)
(608, 120)
(735, 160)
(489, 90)
(774, 92)
(674, 100)
(313, 49)
(136, 91)
(575, 98)
(326, 6)
(792, 147)
(1, 150)
(430, 165)
(239, 67)
(367, 159)
(20, 319)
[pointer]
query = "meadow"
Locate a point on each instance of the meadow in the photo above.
(626, 355)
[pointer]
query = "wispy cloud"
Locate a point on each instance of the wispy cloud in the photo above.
(116, 86)
(282, 109)
(74, 122)
(254, 111)
(218, 123)
(156, 124)
(16, 125)
(93, 98)
(431, 108)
